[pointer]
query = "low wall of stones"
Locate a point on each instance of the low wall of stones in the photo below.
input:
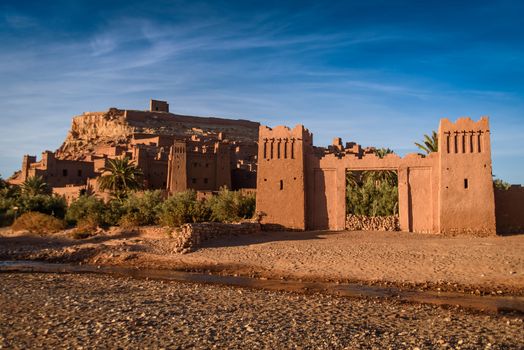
(367, 223)
(190, 236)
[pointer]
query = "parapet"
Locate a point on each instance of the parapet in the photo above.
(299, 132)
(464, 136)
(465, 123)
(158, 106)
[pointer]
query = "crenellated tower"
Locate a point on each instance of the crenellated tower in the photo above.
(281, 175)
(177, 168)
(466, 198)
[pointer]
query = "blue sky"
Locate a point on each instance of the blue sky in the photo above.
(379, 73)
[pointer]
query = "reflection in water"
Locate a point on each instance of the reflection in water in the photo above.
(485, 303)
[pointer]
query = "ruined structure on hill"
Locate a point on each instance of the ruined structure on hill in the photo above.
(148, 139)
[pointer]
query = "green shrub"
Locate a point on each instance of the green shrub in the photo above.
(43, 203)
(247, 204)
(183, 208)
(86, 209)
(141, 208)
(9, 199)
(7, 213)
(113, 213)
(40, 223)
(229, 206)
(372, 194)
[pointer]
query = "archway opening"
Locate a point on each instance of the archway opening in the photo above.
(372, 200)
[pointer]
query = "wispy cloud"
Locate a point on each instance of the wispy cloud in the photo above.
(18, 21)
(363, 82)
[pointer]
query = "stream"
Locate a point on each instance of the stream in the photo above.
(493, 304)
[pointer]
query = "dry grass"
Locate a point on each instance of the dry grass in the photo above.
(39, 223)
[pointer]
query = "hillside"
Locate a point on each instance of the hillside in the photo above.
(118, 127)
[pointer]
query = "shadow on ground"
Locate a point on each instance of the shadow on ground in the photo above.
(265, 237)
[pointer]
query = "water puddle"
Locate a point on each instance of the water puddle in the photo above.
(497, 304)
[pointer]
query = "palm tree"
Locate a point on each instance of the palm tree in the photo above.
(382, 152)
(119, 177)
(430, 143)
(352, 178)
(379, 176)
(35, 185)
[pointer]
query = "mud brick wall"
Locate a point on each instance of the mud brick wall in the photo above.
(367, 223)
(509, 209)
(190, 236)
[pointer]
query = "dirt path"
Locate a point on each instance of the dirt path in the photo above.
(494, 264)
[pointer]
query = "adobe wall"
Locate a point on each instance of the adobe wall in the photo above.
(158, 106)
(466, 198)
(449, 191)
(58, 172)
(154, 166)
(509, 209)
(417, 184)
(143, 116)
(70, 193)
(205, 168)
(243, 178)
(281, 175)
(201, 171)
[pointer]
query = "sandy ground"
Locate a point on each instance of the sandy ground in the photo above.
(471, 264)
(51, 311)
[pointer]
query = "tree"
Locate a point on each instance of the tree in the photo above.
(501, 184)
(379, 176)
(119, 177)
(430, 143)
(3, 183)
(373, 192)
(35, 185)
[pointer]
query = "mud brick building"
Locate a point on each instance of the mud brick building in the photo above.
(217, 152)
(451, 191)
(298, 185)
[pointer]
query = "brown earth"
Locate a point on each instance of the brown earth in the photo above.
(475, 265)
(57, 311)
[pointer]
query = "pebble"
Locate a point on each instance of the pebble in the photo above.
(96, 311)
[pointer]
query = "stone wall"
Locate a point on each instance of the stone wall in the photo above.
(367, 223)
(190, 236)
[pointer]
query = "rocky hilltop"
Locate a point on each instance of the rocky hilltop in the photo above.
(117, 127)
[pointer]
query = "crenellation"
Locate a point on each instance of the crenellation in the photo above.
(449, 191)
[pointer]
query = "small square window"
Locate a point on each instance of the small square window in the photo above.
(194, 180)
(205, 180)
(64, 172)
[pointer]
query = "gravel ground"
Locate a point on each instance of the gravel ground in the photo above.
(91, 311)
